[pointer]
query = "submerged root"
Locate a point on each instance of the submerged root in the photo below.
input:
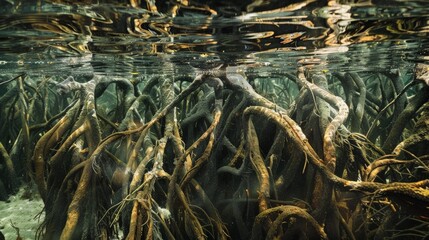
(159, 161)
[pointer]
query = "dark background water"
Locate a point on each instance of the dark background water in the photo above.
(129, 38)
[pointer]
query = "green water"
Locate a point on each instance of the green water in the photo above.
(183, 119)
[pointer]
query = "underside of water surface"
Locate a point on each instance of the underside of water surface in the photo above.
(198, 119)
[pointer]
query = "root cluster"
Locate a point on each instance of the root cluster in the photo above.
(221, 155)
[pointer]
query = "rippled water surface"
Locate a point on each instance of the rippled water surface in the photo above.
(135, 37)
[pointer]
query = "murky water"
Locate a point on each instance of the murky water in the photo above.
(206, 119)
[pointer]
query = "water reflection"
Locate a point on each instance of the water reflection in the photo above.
(232, 30)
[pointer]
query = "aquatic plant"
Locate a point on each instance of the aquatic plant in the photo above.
(190, 139)
(337, 156)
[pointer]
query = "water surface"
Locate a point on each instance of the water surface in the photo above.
(115, 37)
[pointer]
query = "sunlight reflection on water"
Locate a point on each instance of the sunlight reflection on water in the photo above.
(126, 39)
